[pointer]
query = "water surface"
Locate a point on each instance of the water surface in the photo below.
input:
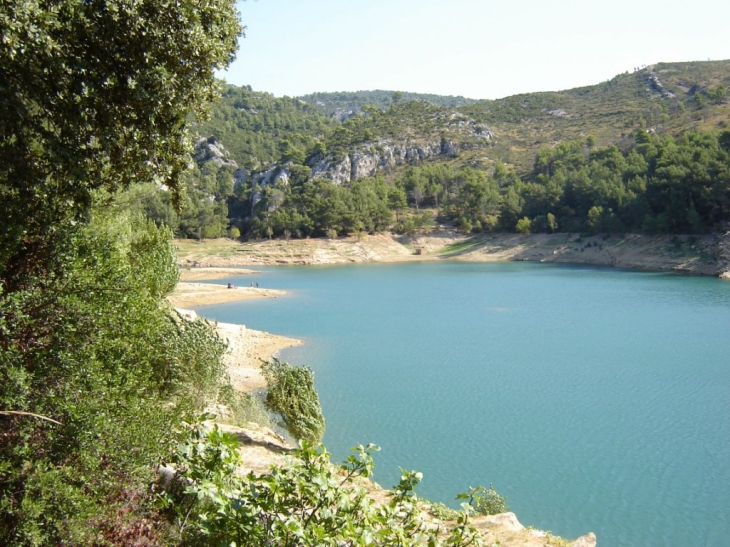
(593, 399)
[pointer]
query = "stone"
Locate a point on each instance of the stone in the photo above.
(588, 540)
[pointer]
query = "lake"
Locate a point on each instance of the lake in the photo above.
(593, 399)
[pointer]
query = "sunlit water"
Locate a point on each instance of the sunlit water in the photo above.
(593, 399)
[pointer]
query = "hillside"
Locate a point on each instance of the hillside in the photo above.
(346, 104)
(665, 98)
(646, 151)
(258, 128)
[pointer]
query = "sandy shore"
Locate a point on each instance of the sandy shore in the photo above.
(698, 255)
(209, 274)
(193, 295)
(246, 349)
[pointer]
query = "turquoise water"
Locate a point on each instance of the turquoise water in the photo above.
(593, 399)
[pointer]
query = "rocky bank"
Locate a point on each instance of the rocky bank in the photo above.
(696, 255)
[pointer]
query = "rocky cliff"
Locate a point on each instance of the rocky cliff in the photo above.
(723, 255)
(367, 159)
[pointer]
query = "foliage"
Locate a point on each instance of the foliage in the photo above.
(73, 120)
(242, 408)
(346, 103)
(415, 223)
(656, 185)
(523, 225)
(307, 502)
(202, 212)
(292, 394)
(97, 350)
(485, 501)
(661, 98)
(95, 97)
(259, 129)
(541, 136)
(320, 208)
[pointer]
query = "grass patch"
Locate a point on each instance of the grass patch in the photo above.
(460, 246)
(192, 248)
(244, 408)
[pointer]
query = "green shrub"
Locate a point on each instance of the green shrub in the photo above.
(96, 349)
(244, 407)
(292, 394)
(485, 501)
(307, 502)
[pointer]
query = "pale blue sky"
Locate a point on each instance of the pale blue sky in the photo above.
(483, 49)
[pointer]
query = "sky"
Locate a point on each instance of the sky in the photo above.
(480, 49)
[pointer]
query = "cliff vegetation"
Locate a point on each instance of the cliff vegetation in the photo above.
(645, 152)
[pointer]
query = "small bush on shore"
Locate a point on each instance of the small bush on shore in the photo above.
(309, 501)
(485, 501)
(292, 395)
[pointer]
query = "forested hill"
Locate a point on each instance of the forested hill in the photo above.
(644, 151)
(256, 127)
(345, 104)
(666, 98)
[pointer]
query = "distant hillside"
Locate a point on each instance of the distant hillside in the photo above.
(664, 98)
(345, 104)
(647, 151)
(259, 129)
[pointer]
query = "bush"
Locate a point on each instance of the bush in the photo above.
(117, 370)
(523, 225)
(305, 503)
(485, 501)
(292, 394)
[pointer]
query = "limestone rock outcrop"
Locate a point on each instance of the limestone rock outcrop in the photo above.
(210, 149)
(588, 540)
(366, 160)
(505, 529)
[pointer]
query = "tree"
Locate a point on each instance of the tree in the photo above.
(97, 94)
(113, 366)
(523, 225)
(595, 214)
(552, 223)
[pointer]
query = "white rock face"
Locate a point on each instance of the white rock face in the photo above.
(505, 520)
(272, 176)
(211, 150)
(367, 160)
(338, 172)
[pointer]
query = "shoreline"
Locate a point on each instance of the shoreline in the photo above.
(208, 274)
(247, 349)
(707, 255)
(261, 448)
(193, 295)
